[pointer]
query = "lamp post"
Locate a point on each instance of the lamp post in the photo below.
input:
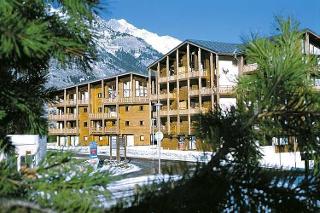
(152, 125)
(159, 134)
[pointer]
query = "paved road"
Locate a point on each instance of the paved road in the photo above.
(150, 167)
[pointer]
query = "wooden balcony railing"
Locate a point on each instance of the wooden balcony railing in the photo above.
(56, 131)
(83, 102)
(110, 100)
(96, 130)
(193, 92)
(71, 102)
(98, 116)
(134, 100)
(249, 68)
(112, 129)
(63, 117)
(226, 90)
(195, 110)
(206, 91)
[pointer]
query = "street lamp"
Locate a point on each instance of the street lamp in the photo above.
(159, 134)
(152, 125)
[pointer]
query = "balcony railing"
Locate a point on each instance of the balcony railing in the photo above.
(226, 90)
(110, 100)
(63, 117)
(250, 68)
(206, 91)
(71, 102)
(163, 79)
(193, 92)
(83, 102)
(97, 116)
(195, 110)
(197, 74)
(163, 96)
(56, 131)
(153, 97)
(96, 130)
(112, 129)
(134, 100)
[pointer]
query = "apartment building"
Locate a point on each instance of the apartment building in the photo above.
(104, 111)
(198, 76)
(193, 78)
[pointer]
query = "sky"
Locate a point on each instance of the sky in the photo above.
(223, 20)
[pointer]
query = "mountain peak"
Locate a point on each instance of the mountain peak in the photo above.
(162, 44)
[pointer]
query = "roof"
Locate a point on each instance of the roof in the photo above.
(218, 47)
(144, 74)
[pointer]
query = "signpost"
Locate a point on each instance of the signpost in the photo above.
(159, 137)
(93, 150)
(94, 160)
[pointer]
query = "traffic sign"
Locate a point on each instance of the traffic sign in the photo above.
(158, 136)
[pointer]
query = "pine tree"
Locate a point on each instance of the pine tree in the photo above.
(32, 34)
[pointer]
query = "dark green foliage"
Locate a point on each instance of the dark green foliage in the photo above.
(31, 36)
(61, 183)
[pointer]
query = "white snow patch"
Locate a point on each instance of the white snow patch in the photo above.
(163, 44)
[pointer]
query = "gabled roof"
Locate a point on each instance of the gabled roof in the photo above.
(143, 74)
(218, 47)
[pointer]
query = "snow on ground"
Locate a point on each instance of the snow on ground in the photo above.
(147, 152)
(269, 159)
(116, 169)
(126, 188)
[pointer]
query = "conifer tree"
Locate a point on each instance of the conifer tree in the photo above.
(32, 33)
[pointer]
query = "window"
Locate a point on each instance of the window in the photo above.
(113, 123)
(99, 109)
(85, 124)
(126, 89)
(85, 138)
(85, 109)
(141, 137)
(141, 108)
(99, 95)
(127, 123)
(141, 123)
(127, 108)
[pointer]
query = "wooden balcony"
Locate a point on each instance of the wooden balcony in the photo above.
(226, 90)
(111, 130)
(56, 131)
(100, 116)
(71, 102)
(132, 100)
(195, 74)
(194, 92)
(183, 111)
(63, 117)
(163, 79)
(153, 97)
(195, 111)
(163, 96)
(110, 100)
(83, 102)
(249, 68)
(206, 91)
(96, 130)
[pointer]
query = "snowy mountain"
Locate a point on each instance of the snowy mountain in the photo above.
(121, 48)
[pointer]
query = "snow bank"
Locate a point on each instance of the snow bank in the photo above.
(270, 158)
